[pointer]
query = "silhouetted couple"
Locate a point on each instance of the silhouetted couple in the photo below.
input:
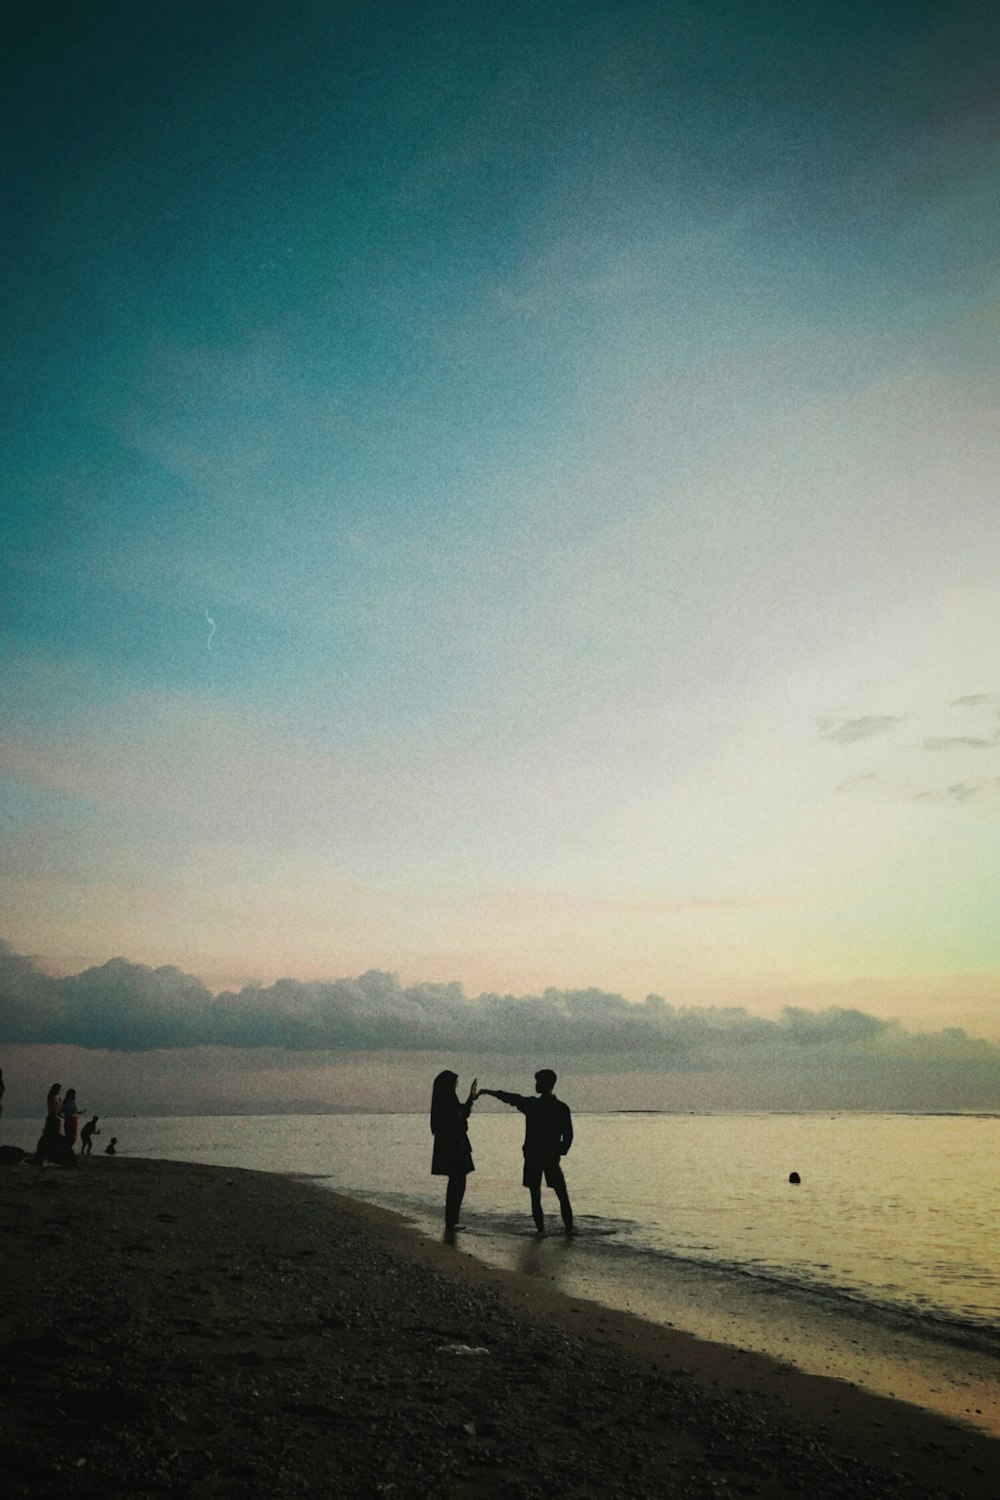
(548, 1135)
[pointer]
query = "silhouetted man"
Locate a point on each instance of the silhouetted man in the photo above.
(548, 1135)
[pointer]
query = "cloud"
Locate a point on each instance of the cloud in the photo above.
(816, 1028)
(846, 731)
(960, 742)
(961, 791)
(896, 789)
(121, 1006)
(129, 1008)
(864, 781)
(896, 780)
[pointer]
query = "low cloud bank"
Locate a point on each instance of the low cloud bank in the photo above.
(128, 1007)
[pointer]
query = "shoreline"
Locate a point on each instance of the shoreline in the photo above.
(885, 1356)
(174, 1329)
(829, 1400)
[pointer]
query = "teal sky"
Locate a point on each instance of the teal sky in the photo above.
(506, 493)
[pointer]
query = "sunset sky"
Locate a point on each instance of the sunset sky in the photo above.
(506, 494)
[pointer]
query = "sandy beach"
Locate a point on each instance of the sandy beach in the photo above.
(172, 1329)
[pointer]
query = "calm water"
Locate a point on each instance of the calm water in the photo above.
(899, 1213)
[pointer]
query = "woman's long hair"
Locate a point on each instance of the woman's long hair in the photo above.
(443, 1101)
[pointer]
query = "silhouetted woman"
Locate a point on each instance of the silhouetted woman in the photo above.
(452, 1152)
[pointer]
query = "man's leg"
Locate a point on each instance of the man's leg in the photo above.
(557, 1182)
(532, 1180)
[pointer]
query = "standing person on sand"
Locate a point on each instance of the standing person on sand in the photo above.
(71, 1118)
(548, 1135)
(87, 1136)
(452, 1153)
(52, 1143)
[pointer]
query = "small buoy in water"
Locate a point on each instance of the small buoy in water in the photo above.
(794, 1177)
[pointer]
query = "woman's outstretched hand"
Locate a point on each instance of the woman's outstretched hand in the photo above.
(474, 1091)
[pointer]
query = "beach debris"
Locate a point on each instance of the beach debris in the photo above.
(461, 1349)
(794, 1177)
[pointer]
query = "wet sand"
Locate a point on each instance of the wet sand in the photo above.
(170, 1329)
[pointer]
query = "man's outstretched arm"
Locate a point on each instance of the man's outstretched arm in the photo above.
(513, 1099)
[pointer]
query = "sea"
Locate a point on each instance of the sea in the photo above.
(880, 1266)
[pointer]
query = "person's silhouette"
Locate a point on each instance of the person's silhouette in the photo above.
(452, 1156)
(87, 1136)
(548, 1135)
(109, 1149)
(52, 1144)
(70, 1117)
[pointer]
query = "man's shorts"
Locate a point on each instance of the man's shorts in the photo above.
(534, 1169)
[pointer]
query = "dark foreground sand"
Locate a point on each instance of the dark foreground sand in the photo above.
(180, 1330)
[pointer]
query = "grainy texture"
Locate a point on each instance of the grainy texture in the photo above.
(175, 1330)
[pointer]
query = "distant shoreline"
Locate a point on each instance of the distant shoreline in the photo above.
(283, 1114)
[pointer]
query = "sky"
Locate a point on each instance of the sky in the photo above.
(503, 497)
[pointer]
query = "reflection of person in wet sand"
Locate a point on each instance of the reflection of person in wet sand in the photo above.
(452, 1153)
(548, 1135)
